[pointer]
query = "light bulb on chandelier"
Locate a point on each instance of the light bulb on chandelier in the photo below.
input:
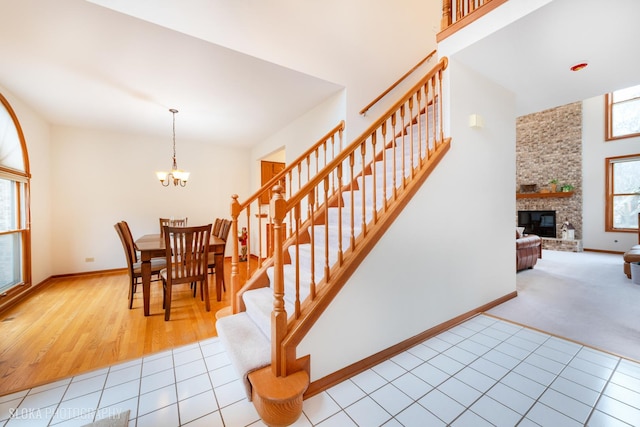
(178, 176)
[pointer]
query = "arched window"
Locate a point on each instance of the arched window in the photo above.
(15, 241)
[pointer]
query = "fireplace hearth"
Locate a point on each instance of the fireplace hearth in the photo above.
(539, 222)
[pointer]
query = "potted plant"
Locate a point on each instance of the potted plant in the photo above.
(554, 185)
(566, 188)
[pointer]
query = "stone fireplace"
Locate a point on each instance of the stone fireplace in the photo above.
(549, 146)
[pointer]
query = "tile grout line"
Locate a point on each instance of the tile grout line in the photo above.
(485, 393)
(593, 409)
(537, 400)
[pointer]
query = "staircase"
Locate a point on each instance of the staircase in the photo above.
(327, 211)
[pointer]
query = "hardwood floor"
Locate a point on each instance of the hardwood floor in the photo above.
(81, 323)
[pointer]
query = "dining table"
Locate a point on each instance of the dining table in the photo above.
(153, 246)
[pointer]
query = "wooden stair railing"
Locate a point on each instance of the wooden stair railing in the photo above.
(292, 178)
(413, 126)
(396, 83)
(460, 13)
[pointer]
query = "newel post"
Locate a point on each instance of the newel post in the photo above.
(278, 315)
(235, 213)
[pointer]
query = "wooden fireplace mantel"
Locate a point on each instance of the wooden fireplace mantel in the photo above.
(542, 195)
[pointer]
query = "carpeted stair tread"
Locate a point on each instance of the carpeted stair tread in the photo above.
(319, 261)
(319, 237)
(290, 286)
(259, 305)
(248, 348)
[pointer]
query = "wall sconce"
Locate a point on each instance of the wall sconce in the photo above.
(475, 121)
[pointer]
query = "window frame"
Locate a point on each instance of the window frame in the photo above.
(609, 194)
(608, 114)
(21, 179)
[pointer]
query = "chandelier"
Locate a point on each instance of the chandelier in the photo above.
(179, 177)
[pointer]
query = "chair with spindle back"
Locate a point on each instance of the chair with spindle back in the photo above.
(178, 222)
(134, 266)
(186, 251)
(216, 226)
(223, 233)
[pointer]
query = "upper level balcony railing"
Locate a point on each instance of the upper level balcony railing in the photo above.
(457, 14)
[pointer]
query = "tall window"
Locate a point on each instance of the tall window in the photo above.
(623, 113)
(623, 193)
(15, 242)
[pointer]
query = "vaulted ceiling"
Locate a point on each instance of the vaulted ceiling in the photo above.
(533, 55)
(80, 64)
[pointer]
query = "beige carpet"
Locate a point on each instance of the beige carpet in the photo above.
(118, 420)
(581, 296)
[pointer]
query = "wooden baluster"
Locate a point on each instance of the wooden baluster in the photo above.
(297, 238)
(296, 247)
(311, 200)
(315, 152)
(333, 154)
(384, 164)
(425, 103)
(352, 160)
(395, 160)
(234, 235)
(261, 238)
(288, 191)
(278, 207)
(411, 139)
(374, 178)
(435, 111)
(420, 128)
(403, 133)
(300, 176)
(446, 14)
(235, 285)
(363, 152)
(340, 203)
(326, 229)
(444, 62)
(324, 153)
(430, 117)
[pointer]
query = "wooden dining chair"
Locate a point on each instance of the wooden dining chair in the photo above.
(223, 233)
(180, 222)
(216, 226)
(187, 250)
(177, 222)
(134, 266)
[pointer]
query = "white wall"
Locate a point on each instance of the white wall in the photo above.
(594, 150)
(36, 134)
(438, 259)
(299, 135)
(100, 178)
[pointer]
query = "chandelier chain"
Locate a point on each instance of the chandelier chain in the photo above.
(175, 163)
(175, 175)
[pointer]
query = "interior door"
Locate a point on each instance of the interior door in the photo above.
(267, 171)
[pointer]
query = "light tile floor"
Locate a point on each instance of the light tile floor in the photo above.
(483, 372)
